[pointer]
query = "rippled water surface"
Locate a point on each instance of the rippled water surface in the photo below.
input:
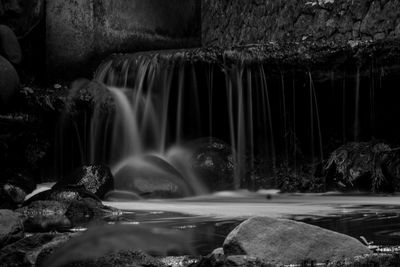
(207, 220)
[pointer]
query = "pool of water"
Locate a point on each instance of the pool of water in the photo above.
(208, 220)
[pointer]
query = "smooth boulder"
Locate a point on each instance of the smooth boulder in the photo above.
(11, 228)
(151, 176)
(280, 241)
(9, 81)
(9, 45)
(96, 179)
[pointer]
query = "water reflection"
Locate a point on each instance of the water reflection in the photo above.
(377, 224)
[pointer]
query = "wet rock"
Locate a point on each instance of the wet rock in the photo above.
(11, 228)
(290, 242)
(89, 95)
(9, 81)
(64, 194)
(218, 255)
(16, 186)
(215, 258)
(15, 193)
(152, 177)
(9, 45)
(213, 163)
(366, 166)
(179, 261)
(25, 252)
(87, 210)
(96, 179)
(42, 216)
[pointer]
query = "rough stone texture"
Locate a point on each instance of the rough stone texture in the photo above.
(9, 46)
(234, 22)
(42, 216)
(9, 81)
(180, 261)
(82, 32)
(11, 228)
(96, 179)
(290, 242)
(321, 56)
(64, 194)
(213, 163)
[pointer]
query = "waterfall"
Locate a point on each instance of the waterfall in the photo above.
(163, 100)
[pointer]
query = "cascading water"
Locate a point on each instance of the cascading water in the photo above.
(164, 100)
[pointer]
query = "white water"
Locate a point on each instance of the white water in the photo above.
(244, 205)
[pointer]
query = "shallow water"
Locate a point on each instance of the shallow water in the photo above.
(209, 219)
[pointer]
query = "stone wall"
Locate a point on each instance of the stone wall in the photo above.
(233, 22)
(82, 33)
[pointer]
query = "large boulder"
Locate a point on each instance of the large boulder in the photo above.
(96, 179)
(281, 241)
(151, 177)
(9, 81)
(213, 163)
(9, 45)
(11, 228)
